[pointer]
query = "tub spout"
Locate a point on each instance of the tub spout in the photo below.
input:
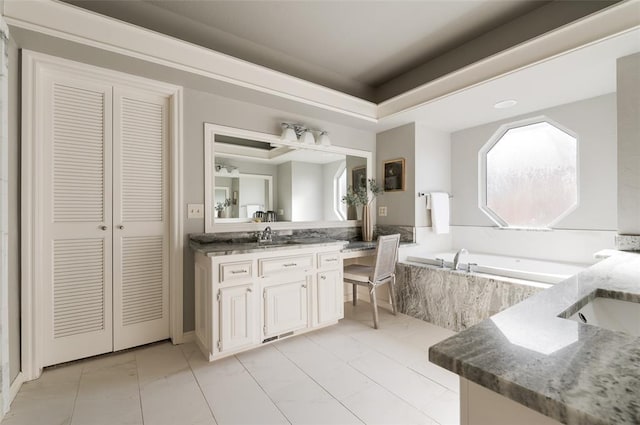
(456, 259)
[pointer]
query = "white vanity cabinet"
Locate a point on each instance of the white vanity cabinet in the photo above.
(245, 300)
(329, 288)
(286, 305)
(237, 323)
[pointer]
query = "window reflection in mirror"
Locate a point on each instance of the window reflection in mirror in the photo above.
(295, 184)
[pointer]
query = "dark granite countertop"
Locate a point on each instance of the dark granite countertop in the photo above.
(205, 244)
(573, 372)
(213, 249)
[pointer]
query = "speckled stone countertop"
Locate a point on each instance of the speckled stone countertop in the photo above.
(230, 248)
(572, 372)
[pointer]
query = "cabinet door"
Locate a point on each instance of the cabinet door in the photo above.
(285, 307)
(329, 296)
(236, 317)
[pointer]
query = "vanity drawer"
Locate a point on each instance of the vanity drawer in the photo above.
(235, 271)
(284, 264)
(328, 260)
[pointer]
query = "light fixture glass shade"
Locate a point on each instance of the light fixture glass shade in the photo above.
(288, 133)
(323, 139)
(307, 138)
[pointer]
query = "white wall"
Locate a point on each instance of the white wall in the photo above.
(427, 154)
(253, 191)
(594, 122)
(329, 172)
(397, 143)
(587, 229)
(432, 174)
(284, 191)
(307, 194)
(629, 145)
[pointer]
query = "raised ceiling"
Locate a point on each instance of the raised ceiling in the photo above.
(370, 49)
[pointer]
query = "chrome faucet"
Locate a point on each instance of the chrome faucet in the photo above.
(456, 259)
(266, 235)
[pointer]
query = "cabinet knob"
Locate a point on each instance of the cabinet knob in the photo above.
(249, 290)
(103, 227)
(323, 277)
(304, 286)
(121, 227)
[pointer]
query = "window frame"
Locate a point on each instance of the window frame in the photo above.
(482, 172)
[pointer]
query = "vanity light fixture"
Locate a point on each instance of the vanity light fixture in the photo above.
(323, 139)
(288, 133)
(227, 171)
(504, 104)
(307, 137)
(298, 132)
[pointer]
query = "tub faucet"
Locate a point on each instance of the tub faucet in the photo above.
(456, 259)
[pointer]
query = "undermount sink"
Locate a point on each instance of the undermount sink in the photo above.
(612, 314)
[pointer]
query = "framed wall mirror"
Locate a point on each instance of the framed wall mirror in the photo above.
(252, 178)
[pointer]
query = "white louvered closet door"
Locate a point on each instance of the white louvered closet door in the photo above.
(140, 244)
(76, 131)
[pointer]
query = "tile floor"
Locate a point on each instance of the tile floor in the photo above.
(344, 374)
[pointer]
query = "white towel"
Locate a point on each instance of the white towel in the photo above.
(440, 212)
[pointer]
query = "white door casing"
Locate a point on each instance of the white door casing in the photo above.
(35, 195)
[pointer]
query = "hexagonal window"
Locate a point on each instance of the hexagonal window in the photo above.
(529, 174)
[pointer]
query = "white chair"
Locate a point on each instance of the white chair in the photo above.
(383, 272)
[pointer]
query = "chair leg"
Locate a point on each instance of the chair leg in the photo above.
(392, 294)
(355, 293)
(374, 305)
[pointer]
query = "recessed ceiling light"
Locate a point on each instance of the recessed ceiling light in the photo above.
(504, 104)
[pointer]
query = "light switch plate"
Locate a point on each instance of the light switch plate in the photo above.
(382, 211)
(195, 211)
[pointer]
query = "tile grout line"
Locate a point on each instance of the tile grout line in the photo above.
(355, 338)
(75, 399)
(317, 383)
(394, 394)
(348, 363)
(135, 359)
(384, 388)
(213, 415)
(262, 388)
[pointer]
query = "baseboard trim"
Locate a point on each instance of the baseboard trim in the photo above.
(15, 387)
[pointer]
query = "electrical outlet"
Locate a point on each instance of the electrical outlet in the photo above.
(195, 211)
(382, 211)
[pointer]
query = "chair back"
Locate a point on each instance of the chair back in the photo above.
(386, 256)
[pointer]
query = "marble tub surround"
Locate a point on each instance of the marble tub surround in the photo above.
(628, 242)
(455, 300)
(407, 233)
(569, 371)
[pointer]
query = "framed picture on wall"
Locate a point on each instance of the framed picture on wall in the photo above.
(394, 175)
(359, 178)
